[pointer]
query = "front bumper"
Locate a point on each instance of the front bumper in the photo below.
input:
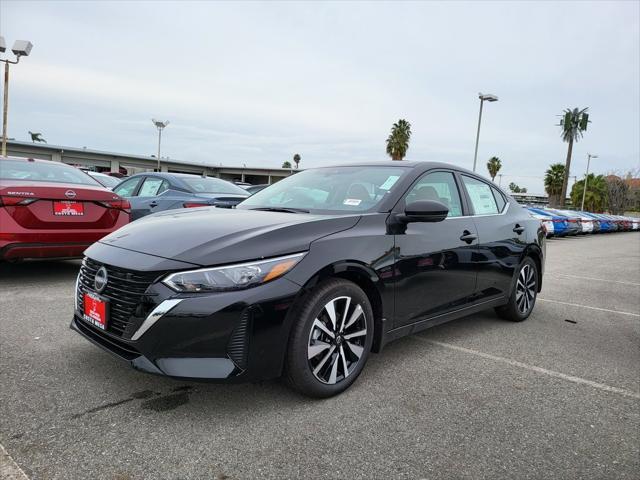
(225, 336)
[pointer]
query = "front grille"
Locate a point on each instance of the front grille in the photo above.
(125, 291)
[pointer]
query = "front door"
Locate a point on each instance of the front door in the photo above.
(435, 262)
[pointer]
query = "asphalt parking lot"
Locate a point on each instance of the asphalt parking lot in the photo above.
(557, 396)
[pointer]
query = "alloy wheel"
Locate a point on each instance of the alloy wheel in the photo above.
(525, 289)
(337, 340)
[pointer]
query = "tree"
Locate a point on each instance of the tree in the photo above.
(573, 123)
(398, 140)
(37, 137)
(286, 164)
(595, 199)
(296, 159)
(553, 180)
(618, 198)
(494, 165)
(516, 188)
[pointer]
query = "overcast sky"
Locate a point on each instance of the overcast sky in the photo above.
(255, 83)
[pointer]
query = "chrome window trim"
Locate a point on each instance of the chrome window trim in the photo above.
(156, 314)
(483, 214)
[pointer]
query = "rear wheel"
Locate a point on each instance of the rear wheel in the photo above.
(331, 340)
(524, 293)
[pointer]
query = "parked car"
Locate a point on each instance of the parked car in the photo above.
(546, 221)
(49, 209)
(251, 189)
(574, 224)
(103, 179)
(604, 222)
(156, 192)
(305, 278)
(560, 223)
(585, 222)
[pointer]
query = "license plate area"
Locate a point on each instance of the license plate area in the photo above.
(68, 209)
(95, 310)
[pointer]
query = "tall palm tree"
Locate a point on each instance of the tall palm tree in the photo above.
(595, 200)
(494, 165)
(573, 123)
(296, 159)
(553, 181)
(398, 140)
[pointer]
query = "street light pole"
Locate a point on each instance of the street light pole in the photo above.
(489, 98)
(21, 48)
(586, 178)
(160, 126)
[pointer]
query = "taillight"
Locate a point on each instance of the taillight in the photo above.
(117, 204)
(10, 201)
(194, 205)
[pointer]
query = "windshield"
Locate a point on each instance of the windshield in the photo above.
(106, 180)
(329, 190)
(211, 185)
(34, 171)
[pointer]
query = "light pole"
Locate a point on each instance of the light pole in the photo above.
(160, 126)
(489, 98)
(586, 177)
(21, 48)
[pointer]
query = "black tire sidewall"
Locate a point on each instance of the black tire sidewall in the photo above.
(297, 368)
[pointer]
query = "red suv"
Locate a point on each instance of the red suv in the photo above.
(49, 209)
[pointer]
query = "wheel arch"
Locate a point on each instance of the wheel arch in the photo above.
(365, 278)
(534, 252)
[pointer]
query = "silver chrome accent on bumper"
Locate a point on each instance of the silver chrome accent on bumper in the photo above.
(156, 315)
(75, 293)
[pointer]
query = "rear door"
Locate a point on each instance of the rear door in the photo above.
(502, 235)
(148, 198)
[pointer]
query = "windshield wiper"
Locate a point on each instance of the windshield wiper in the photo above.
(281, 209)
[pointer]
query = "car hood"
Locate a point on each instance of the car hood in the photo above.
(213, 236)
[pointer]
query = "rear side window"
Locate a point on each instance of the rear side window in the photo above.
(500, 201)
(127, 188)
(152, 187)
(481, 196)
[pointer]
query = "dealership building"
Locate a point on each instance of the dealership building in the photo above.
(129, 164)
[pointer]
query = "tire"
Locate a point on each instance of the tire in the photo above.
(334, 347)
(523, 294)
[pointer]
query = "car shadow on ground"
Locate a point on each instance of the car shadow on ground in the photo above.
(40, 269)
(158, 395)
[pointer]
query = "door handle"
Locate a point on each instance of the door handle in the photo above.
(153, 204)
(518, 229)
(468, 237)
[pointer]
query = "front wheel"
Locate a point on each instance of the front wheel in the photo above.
(524, 293)
(330, 340)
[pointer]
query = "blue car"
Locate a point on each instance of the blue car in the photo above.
(155, 192)
(605, 223)
(560, 223)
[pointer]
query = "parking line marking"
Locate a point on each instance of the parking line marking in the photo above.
(589, 307)
(9, 469)
(532, 368)
(596, 279)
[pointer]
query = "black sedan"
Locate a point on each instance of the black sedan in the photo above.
(307, 277)
(154, 192)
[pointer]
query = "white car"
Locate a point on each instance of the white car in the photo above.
(546, 221)
(586, 221)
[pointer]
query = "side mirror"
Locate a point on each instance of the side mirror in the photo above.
(425, 211)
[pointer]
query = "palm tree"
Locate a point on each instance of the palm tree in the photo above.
(398, 140)
(296, 159)
(595, 200)
(553, 181)
(494, 165)
(286, 164)
(573, 123)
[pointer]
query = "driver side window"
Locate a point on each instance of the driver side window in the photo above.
(438, 186)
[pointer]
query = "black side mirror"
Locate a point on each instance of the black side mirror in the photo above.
(425, 211)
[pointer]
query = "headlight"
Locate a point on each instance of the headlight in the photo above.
(232, 277)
